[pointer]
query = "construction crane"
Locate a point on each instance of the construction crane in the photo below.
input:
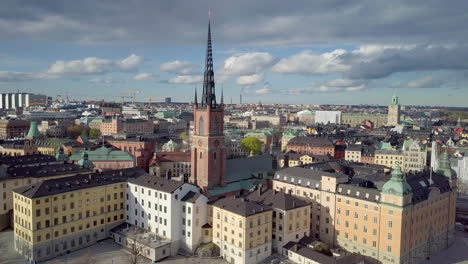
(149, 100)
(134, 92)
(122, 97)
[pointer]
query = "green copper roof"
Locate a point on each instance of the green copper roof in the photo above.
(104, 154)
(385, 146)
(397, 184)
(395, 100)
(444, 167)
(61, 156)
(33, 131)
(259, 134)
(165, 114)
(408, 142)
(84, 161)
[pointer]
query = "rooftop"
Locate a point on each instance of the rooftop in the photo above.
(157, 183)
(77, 182)
(241, 206)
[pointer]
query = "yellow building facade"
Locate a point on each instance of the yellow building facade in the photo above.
(61, 215)
(242, 230)
(406, 221)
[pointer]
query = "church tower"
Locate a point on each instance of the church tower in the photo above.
(394, 112)
(208, 155)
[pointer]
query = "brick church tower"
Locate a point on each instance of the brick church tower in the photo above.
(208, 152)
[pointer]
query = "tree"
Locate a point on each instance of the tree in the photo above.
(183, 136)
(251, 145)
(94, 133)
(75, 130)
(135, 249)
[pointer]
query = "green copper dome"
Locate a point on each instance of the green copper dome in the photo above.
(395, 100)
(33, 131)
(444, 167)
(397, 184)
(61, 156)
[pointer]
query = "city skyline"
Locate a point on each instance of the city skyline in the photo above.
(339, 52)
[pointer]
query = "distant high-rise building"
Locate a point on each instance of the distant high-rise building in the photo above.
(208, 153)
(328, 117)
(167, 100)
(17, 100)
(394, 112)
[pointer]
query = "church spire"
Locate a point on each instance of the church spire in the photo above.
(222, 95)
(208, 96)
(195, 101)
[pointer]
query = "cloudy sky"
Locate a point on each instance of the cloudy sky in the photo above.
(276, 51)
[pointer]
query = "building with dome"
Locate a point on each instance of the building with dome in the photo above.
(104, 159)
(396, 218)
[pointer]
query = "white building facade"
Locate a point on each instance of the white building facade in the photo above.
(170, 209)
(328, 117)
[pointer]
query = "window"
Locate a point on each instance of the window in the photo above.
(201, 128)
(390, 224)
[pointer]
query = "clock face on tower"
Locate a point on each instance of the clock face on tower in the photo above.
(216, 143)
(200, 142)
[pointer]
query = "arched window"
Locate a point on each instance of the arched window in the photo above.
(201, 155)
(215, 126)
(201, 126)
(214, 155)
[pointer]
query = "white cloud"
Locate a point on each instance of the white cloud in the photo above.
(308, 62)
(144, 76)
(263, 91)
(250, 79)
(94, 65)
(425, 82)
(186, 79)
(105, 80)
(336, 85)
(9, 76)
(247, 64)
(179, 67)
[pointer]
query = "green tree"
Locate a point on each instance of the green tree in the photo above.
(75, 130)
(94, 133)
(251, 145)
(183, 136)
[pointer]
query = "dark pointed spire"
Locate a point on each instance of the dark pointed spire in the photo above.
(195, 101)
(208, 96)
(222, 95)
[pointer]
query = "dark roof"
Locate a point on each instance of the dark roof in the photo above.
(206, 225)
(241, 206)
(45, 170)
(157, 183)
(80, 181)
(244, 168)
(354, 148)
(421, 186)
(304, 177)
(359, 192)
(22, 160)
(190, 197)
(171, 157)
(278, 200)
(311, 141)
